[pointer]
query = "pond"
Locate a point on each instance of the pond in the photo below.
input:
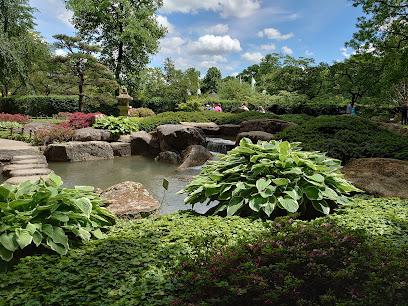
(105, 173)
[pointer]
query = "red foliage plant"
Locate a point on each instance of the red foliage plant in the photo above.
(14, 118)
(57, 133)
(80, 120)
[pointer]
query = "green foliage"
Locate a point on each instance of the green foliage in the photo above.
(270, 178)
(347, 138)
(212, 80)
(141, 112)
(296, 264)
(6, 125)
(44, 213)
(117, 125)
(20, 137)
(157, 104)
(190, 106)
(133, 266)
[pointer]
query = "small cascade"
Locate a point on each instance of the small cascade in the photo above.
(219, 145)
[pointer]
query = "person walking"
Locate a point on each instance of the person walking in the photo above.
(218, 108)
(404, 113)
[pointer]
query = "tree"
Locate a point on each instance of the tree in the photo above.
(192, 77)
(17, 41)
(82, 72)
(234, 90)
(127, 31)
(211, 80)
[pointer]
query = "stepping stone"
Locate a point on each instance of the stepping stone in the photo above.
(21, 179)
(30, 161)
(11, 148)
(24, 157)
(6, 169)
(30, 172)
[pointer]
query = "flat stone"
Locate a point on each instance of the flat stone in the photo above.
(121, 148)
(23, 157)
(92, 134)
(30, 161)
(271, 126)
(7, 168)
(229, 129)
(11, 148)
(78, 151)
(21, 179)
(30, 172)
(130, 200)
(209, 128)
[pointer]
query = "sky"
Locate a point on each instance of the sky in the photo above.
(234, 34)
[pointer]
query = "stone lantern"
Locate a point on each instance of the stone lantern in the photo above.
(124, 99)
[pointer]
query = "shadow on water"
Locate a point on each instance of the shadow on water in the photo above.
(105, 173)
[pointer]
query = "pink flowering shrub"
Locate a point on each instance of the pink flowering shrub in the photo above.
(58, 133)
(14, 118)
(79, 120)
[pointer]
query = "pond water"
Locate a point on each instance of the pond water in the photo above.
(105, 173)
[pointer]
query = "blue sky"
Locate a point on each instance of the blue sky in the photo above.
(234, 34)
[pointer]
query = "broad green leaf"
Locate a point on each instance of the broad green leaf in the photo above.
(262, 183)
(329, 193)
(292, 193)
(295, 170)
(4, 194)
(285, 146)
(59, 236)
(84, 205)
(221, 208)
(5, 254)
(55, 179)
(281, 181)
(16, 204)
(9, 241)
(289, 204)
(316, 177)
(313, 193)
(24, 237)
(225, 195)
(234, 205)
(165, 184)
(269, 191)
(211, 191)
(31, 228)
(343, 200)
(98, 234)
(37, 238)
(269, 208)
(245, 142)
(257, 202)
(321, 206)
(60, 216)
(82, 233)
(60, 249)
(85, 188)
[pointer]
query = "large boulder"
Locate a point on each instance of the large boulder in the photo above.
(229, 129)
(176, 137)
(130, 200)
(194, 155)
(209, 128)
(271, 126)
(11, 148)
(78, 151)
(121, 148)
(143, 143)
(383, 177)
(91, 134)
(254, 136)
(168, 157)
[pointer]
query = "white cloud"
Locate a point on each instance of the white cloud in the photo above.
(214, 45)
(207, 64)
(60, 52)
(171, 45)
(65, 16)
(286, 50)
(218, 29)
(229, 68)
(234, 74)
(270, 47)
(162, 20)
(254, 57)
(309, 53)
(344, 52)
(220, 59)
(234, 8)
(272, 33)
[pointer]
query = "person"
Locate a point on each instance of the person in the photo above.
(353, 109)
(404, 113)
(218, 108)
(244, 106)
(207, 107)
(349, 108)
(211, 107)
(261, 109)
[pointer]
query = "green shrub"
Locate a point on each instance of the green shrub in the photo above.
(20, 137)
(347, 138)
(295, 265)
(6, 125)
(53, 134)
(270, 177)
(43, 213)
(141, 112)
(190, 106)
(117, 125)
(157, 104)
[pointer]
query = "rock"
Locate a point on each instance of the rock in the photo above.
(8, 168)
(121, 148)
(194, 155)
(78, 151)
(11, 148)
(30, 172)
(91, 134)
(229, 129)
(176, 137)
(21, 179)
(130, 200)
(25, 157)
(254, 136)
(30, 161)
(168, 157)
(143, 143)
(208, 128)
(383, 177)
(394, 128)
(219, 145)
(271, 126)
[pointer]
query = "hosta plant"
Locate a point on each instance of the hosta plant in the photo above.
(44, 213)
(271, 177)
(117, 125)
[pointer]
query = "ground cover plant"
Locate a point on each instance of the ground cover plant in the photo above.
(53, 134)
(269, 179)
(45, 214)
(117, 125)
(14, 118)
(347, 138)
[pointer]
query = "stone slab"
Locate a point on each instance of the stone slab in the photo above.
(7, 168)
(21, 179)
(30, 172)
(30, 161)
(24, 157)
